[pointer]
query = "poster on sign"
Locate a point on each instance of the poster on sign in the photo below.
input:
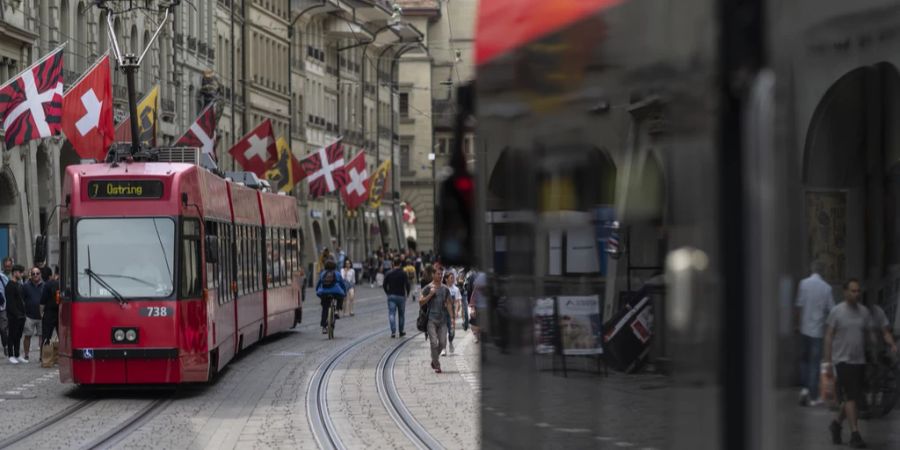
(581, 325)
(544, 326)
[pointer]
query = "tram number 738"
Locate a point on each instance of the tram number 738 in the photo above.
(155, 311)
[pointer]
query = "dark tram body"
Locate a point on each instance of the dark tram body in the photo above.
(695, 156)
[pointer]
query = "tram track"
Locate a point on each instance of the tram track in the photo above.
(46, 423)
(130, 425)
(317, 412)
(396, 408)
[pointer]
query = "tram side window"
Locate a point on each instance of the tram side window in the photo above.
(257, 258)
(64, 255)
(292, 253)
(252, 267)
(212, 280)
(270, 281)
(240, 255)
(190, 259)
(282, 263)
(260, 257)
(227, 267)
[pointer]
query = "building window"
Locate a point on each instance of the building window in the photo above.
(404, 160)
(404, 104)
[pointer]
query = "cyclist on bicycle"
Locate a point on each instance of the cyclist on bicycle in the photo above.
(330, 284)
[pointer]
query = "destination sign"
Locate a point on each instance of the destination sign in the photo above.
(125, 189)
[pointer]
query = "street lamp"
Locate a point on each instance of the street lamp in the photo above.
(433, 158)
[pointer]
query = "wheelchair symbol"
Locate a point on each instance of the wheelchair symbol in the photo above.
(88, 353)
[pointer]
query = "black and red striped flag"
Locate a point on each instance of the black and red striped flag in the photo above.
(31, 102)
(324, 169)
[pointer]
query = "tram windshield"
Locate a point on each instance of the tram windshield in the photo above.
(135, 257)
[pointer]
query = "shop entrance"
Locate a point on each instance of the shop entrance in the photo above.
(851, 175)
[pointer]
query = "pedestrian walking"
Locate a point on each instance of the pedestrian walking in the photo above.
(814, 301)
(397, 287)
(849, 323)
(49, 308)
(349, 275)
(478, 304)
(455, 298)
(15, 312)
(33, 290)
(4, 322)
(413, 278)
(437, 296)
(7, 266)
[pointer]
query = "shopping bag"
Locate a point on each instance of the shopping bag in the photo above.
(49, 354)
(826, 385)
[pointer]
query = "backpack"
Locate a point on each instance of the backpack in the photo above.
(329, 279)
(422, 320)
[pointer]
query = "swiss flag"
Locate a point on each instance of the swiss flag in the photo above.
(256, 151)
(88, 114)
(356, 191)
(202, 133)
(325, 170)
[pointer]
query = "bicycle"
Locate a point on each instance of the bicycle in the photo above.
(332, 309)
(882, 389)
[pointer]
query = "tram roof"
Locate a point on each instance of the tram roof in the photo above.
(131, 169)
(504, 25)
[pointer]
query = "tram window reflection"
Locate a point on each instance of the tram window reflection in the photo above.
(134, 256)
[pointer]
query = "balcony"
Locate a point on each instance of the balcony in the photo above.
(211, 52)
(179, 39)
(192, 43)
(201, 47)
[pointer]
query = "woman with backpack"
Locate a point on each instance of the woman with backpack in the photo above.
(439, 307)
(349, 275)
(330, 284)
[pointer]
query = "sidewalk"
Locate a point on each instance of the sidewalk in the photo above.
(446, 404)
(583, 410)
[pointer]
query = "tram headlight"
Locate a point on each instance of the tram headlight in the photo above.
(131, 335)
(119, 335)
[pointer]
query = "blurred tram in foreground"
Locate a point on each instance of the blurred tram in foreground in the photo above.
(654, 179)
(168, 271)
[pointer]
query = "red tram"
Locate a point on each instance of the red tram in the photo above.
(168, 271)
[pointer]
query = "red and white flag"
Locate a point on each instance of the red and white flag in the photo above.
(88, 113)
(325, 170)
(256, 151)
(31, 103)
(356, 191)
(202, 133)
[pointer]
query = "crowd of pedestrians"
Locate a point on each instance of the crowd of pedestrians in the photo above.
(835, 342)
(448, 295)
(28, 308)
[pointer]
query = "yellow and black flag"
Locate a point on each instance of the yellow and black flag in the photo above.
(147, 110)
(286, 172)
(378, 184)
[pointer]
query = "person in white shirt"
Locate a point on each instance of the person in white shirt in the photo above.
(349, 275)
(815, 299)
(456, 298)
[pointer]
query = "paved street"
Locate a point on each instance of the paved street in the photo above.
(261, 399)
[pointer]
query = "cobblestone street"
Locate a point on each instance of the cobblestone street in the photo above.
(260, 399)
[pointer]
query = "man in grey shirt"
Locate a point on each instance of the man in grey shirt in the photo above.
(814, 301)
(849, 323)
(440, 306)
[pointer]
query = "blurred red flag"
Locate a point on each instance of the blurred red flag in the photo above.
(507, 24)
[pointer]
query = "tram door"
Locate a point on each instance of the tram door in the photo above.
(615, 226)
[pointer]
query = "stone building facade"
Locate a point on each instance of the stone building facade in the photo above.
(318, 70)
